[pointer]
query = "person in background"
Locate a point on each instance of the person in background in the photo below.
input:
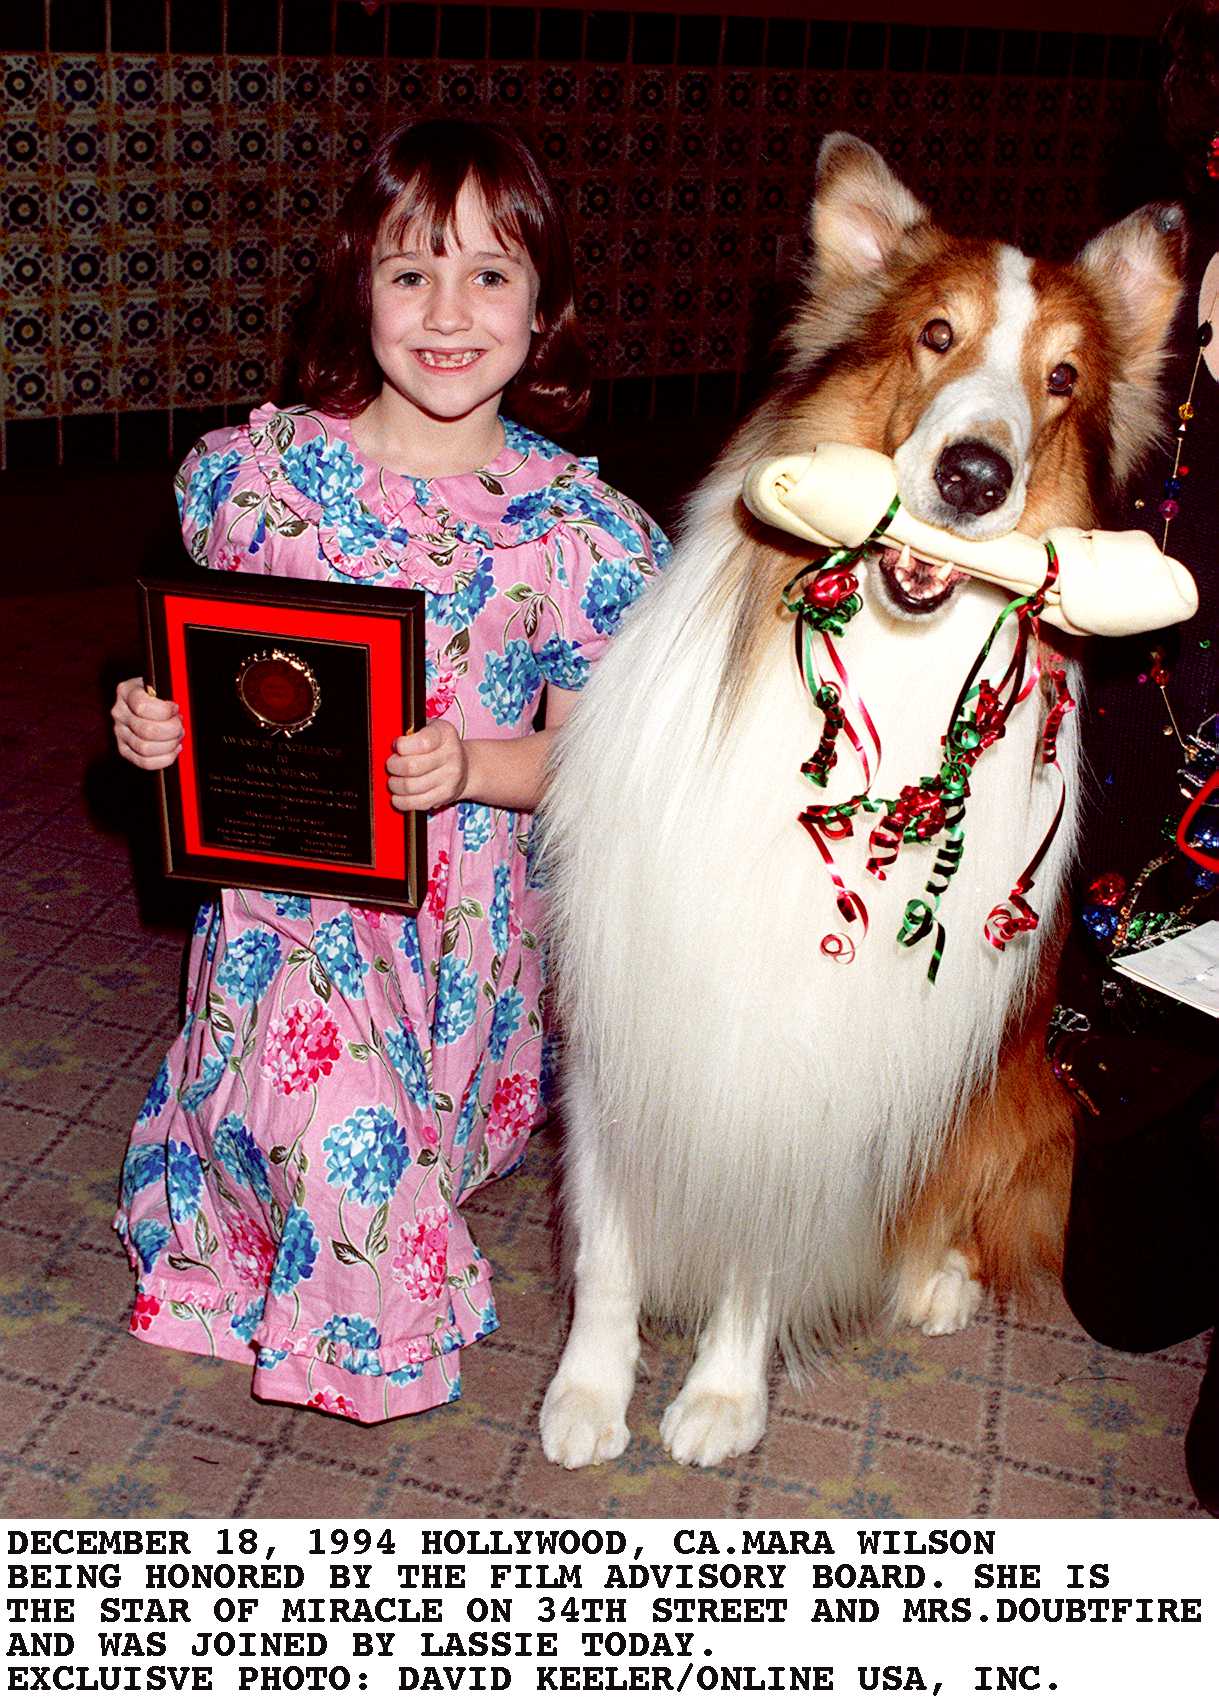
(1142, 1250)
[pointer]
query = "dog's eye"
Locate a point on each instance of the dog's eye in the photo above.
(937, 335)
(1061, 381)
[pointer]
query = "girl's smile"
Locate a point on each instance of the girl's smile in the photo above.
(447, 360)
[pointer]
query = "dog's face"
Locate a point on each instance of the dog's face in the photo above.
(1010, 392)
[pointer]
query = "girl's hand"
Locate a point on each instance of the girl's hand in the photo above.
(428, 769)
(148, 730)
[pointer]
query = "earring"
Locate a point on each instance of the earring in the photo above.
(1212, 164)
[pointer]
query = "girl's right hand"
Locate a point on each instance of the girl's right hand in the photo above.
(148, 730)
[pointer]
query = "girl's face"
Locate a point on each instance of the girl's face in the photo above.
(450, 331)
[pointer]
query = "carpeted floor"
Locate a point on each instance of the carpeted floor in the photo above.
(1015, 1417)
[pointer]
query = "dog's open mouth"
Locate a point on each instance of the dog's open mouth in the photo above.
(914, 584)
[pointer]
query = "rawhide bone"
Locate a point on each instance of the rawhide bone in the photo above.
(1108, 583)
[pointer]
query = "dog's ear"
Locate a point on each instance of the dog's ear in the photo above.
(1136, 269)
(860, 210)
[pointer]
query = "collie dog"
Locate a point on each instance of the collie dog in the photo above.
(763, 1141)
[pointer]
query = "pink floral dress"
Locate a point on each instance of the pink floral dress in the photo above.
(345, 1077)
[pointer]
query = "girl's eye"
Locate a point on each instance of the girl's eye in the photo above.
(490, 277)
(1061, 381)
(937, 335)
(408, 278)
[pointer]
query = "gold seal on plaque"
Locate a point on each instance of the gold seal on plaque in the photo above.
(279, 690)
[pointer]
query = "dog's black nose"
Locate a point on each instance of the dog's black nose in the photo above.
(973, 478)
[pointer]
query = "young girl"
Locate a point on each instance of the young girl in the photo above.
(347, 1077)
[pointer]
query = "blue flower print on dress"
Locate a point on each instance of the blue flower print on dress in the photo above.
(458, 609)
(509, 682)
(406, 1374)
(456, 1000)
(534, 512)
(157, 1096)
(408, 944)
(612, 588)
(326, 471)
(211, 1071)
(213, 479)
(406, 1057)
(145, 1163)
(525, 441)
(563, 664)
(246, 1323)
(249, 963)
(582, 503)
(288, 905)
(234, 1147)
(335, 945)
(184, 1181)
(298, 1250)
(268, 1359)
(359, 1342)
(500, 904)
(535, 864)
(469, 1110)
(474, 821)
(207, 922)
(508, 1009)
(149, 1238)
(366, 1155)
(488, 1322)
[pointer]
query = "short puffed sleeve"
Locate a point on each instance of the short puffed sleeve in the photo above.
(599, 558)
(221, 503)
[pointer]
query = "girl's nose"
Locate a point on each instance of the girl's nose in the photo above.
(448, 309)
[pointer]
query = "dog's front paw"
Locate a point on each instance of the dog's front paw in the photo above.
(582, 1426)
(944, 1300)
(703, 1427)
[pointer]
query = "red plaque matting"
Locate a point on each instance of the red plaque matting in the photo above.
(292, 694)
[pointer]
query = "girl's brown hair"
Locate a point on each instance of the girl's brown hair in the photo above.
(415, 175)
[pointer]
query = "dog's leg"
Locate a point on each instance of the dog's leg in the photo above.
(584, 1414)
(991, 1216)
(721, 1409)
(937, 1292)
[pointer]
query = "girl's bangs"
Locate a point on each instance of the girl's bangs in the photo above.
(427, 208)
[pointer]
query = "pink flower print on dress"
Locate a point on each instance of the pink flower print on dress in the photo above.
(333, 1402)
(512, 1109)
(421, 1264)
(372, 919)
(302, 1046)
(143, 1313)
(442, 694)
(438, 887)
(228, 559)
(250, 1250)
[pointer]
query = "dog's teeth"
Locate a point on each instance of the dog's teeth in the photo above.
(903, 560)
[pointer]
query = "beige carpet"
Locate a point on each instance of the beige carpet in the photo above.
(1013, 1418)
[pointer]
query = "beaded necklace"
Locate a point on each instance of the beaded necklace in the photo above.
(1168, 509)
(1110, 913)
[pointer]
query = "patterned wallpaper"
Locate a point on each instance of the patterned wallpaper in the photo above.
(167, 171)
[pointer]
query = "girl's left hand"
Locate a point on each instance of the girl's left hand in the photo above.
(429, 769)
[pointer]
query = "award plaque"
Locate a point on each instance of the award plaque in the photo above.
(292, 693)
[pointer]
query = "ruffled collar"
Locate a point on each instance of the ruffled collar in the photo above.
(374, 524)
